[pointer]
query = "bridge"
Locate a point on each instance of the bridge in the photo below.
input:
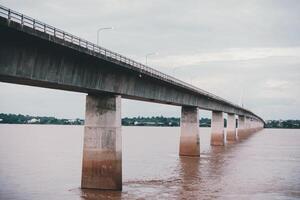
(34, 53)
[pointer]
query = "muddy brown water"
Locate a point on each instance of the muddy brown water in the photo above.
(44, 162)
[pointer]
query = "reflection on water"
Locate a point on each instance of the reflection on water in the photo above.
(44, 162)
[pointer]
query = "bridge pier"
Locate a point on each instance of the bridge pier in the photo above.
(102, 149)
(241, 127)
(258, 125)
(255, 126)
(231, 128)
(217, 129)
(247, 131)
(246, 127)
(189, 138)
(252, 126)
(249, 123)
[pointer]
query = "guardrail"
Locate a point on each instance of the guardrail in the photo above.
(100, 51)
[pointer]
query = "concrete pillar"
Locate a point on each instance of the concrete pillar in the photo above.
(102, 148)
(259, 125)
(189, 138)
(252, 125)
(249, 123)
(241, 127)
(231, 128)
(246, 126)
(249, 120)
(217, 129)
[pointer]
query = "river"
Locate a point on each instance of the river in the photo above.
(44, 162)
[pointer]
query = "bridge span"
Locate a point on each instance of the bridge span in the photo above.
(34, 53)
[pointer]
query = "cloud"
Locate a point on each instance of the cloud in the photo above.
(277, 84)
(227, 55)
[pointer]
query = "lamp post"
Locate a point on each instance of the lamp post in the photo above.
(149, 54)
(101, 29)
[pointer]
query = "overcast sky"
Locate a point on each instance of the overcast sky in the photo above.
(245, 51)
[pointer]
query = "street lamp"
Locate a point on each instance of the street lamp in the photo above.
(101, 29)
(149, 54)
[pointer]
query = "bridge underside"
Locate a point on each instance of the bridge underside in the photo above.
(36, 61)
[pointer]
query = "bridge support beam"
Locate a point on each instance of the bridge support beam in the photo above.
(252, 126)
(231, 128)
(189, 138)
(102, 149)
(257, 125)
(241, 127)
(217, 129)
(247, 131)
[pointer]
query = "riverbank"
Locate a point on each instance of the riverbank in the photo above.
(159, 121)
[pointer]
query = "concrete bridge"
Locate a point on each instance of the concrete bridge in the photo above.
(34, 53)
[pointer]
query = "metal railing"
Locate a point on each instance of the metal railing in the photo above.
(101, 52)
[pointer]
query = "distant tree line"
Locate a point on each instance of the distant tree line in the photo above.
(26, 119)
(134, 121)
(130, 121)
(282, 124)
(159, 121)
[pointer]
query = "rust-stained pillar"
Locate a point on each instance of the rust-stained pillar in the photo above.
(261, 125)
(231, 128)
(102, 149)
(245, 131)
(189, 138)
(248, 125)
(258, 125)
(241, 127)
(217, 129)
(254, 125)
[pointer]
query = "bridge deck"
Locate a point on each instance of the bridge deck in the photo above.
(34, 53)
